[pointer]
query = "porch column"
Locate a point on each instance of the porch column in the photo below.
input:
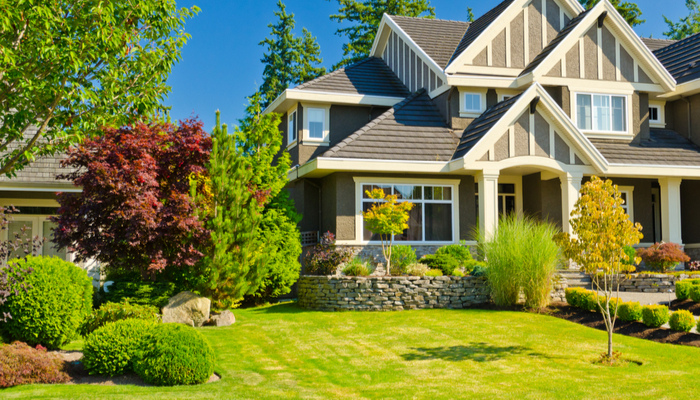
(488, 202)
(570, 186)
(671, 210)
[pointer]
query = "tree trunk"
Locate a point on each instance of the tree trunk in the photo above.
(610, 346)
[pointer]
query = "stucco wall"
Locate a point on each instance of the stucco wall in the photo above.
(517, 43)
(542, 199)
(690, 212)
(677, 117)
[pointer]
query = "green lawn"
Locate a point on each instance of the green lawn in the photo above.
(284, 352)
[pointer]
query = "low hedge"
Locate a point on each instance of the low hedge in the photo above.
(682, 321)
(588, 299)
(630, 311)
(111, 349)
(655, 315)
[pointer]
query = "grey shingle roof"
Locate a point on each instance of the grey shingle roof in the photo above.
(657, 44)
(370, 76)
(665, 147)
(478, 26)
(481, 126)
(412, 130)
(438, 38)
(41, 171)
(554, 43)
(682, 58)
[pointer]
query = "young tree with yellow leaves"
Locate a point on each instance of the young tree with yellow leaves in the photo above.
(602, 229)
(387, 218)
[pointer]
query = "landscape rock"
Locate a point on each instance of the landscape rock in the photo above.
(187, 308)
(226, 318)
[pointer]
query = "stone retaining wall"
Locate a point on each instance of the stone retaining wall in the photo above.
(644, 283)
(333, 293)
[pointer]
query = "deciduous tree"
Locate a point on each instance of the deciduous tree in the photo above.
(686, 26)
(630, 11)
(70, 67)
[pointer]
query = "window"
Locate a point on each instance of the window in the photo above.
(472, 102)
(431, 219)
(654, 114)
(292, 127)
(506, 198)
(626, 193)
(601, 112)
(316, 123)
(35, 226)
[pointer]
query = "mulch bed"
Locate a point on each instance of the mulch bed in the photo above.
(689, 305)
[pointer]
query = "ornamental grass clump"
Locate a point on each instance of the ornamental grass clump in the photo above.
(521, 256)
(682, 321)
(662, 257)
(402, 256)
(357, 267)
(655, 315)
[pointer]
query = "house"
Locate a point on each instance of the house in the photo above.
(511, 113)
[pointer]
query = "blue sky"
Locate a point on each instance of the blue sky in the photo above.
(220, 64)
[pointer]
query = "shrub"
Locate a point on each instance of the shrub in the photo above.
(433, 272)
(50, 311)
(574, 296)
(459, 252)
(444, 262)
(630, 311)
(662, 257)
(682, 321)
(693, 266)
(110, 312)
(357, 267)
(325, 258)
(417, 269)
(175, 354)
(694, 293)
(479, 269)
(110, 350)
(135, 291)
(631, 253)
(401, 257)
(458, 272)
(683, 290)
(472, 264)
(21, 365)
(655, 315)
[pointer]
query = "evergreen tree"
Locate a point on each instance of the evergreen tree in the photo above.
(686, 26)
(288, 59)
(629, 11)
(365, 16)
(470, 15)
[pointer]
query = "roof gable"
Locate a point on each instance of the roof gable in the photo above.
(437, 38)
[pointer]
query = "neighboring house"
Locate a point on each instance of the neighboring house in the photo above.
(511, 113)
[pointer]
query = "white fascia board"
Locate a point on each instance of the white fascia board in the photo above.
(28, 187)
(331, 164)
(653, 171)
(380, 36)
(496, 82)
(683, 90)
(293, 95)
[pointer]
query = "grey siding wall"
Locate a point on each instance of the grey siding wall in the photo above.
(690, 212)
(542, 199)
(408, 66)
(677, 117)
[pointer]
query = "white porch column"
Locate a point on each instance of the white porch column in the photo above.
(488, 202)
(671, 209)
(570, 187)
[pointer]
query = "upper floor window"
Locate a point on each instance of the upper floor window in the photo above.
(316, 123)
(292, 127)
(471, 102)
(601, 112)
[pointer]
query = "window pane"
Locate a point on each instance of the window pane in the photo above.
(415, 225)
(407, 192)
(14, 228)
(437, 193)
(447, 193)
(601, 113)
(366, 234)
(316, 120)
(472, 102)
(506, 188)
(653, 114)
(369, 188)
(438, 222)
(583, 111)
(291, 128)
(49, 249)
(428, 192)
(509, 204)
(618, 114)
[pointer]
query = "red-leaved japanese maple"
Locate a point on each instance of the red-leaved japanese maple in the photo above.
(135, 212)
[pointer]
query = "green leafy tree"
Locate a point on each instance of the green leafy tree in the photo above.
(601, 230)
(686, 26)
(629, 11)
(387, 218)
(288, 59)
(470, 15)
(364, 17)
(70, 67)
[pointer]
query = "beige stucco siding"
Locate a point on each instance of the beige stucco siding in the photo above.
(626, 66)
(481, 58)
(553, 21)
(522, 137)
(609, 56)
(590, 51)
(555, 71)
(517, 43)
(561, 150)
(541, 136)
(534, 19)
(498, 50)
(572, 62)
(501, 148)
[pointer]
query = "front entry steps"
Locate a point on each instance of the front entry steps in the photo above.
(577, 279)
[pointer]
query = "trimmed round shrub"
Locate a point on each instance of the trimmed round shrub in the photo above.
(574, 297)
(444, 262)
(457, 251)
(655, 315)
(24, 365)
(175, 354)
(630, 311)
(110, 312)
(694, 293)
(51, 310)
(683, 290)
(401, 257)
(111, 349)
(433, 272)
(682, 321)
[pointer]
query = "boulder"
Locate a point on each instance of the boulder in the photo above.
(226, 318)
(187, 308)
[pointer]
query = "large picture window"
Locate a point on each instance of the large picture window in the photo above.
(431, 219)
(601, 112)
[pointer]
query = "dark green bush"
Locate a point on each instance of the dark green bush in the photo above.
(175, 354)
(471, 264)
(631, 253)
(459, 252)
(574, 296)
(655, 315)
(683, 290)
(433, 272)
(444, 262)
(694, 293)
(111, 349)
(110, 312)
(630, 311)
(135, 291)
(682, 321)
(479, 269)
(50, 312)
(401, 257)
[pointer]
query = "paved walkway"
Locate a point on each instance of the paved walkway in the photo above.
(648, 298)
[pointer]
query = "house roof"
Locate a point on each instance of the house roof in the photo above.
(370, 76)
(40, 172)
(665, 147)
(657, 44)
(412, 130)
(481, 126)
(682, 58)
(438, 38)
(479, 26)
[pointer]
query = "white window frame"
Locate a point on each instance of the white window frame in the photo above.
(292, 142)
(629, 205)
(472, 113)
(661, 113)
(359, 221)
(326, 124)
(595, 132)
(33, 221)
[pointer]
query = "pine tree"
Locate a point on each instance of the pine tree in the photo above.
(365, 16)
(629, 11)
(288, 59)
(686, 26)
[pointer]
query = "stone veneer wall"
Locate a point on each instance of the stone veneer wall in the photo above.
(344, 293)
(660, 283)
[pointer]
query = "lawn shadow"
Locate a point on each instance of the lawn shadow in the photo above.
(290, 307)
(480, 352)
